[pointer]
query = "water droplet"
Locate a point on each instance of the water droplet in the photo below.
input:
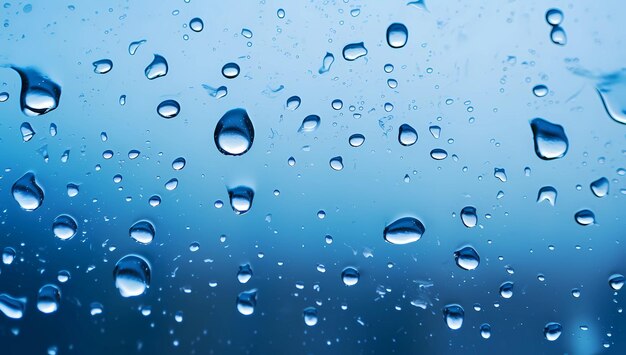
(336, 163)
(241, 199)
(12, 307)
(132, 275)
(547, 193)
(293, 103)
(485, 331)
(397, 35)
(435, 131)
(8, 255)
(245, 273)
(558, 36)
(142, 232)
(171, 184)
(64, 227)
(499, 174)
(467, 258)
(438, 154)
(102, 66)
(154, 200)
(616, 281)
(407, 135)
(48, 298)
(469, 217)
(280, 13)
(552, 331)
(336, 104)
(133, 46)
(63, 276)
(404, 230)
(310, 316)
(310, 123)
(196, 24)
(585, 217)
(576, 293)
(246, 302)
(4, 96)
(179, 163)
(454, 315)
(356, 140)
(550, 139)
(217, 93)
(354, 51)
(350, 276)
(540, 90)
(246, 33)
(39, 94)
(230, 70)
(157, 68)
(600, 187)
(96, 308)
(327, 62)
(27, 131)
(554, 17)
(506, 289)
(168, 109)
(133, 154)
(72, 190)
(234, 133)
(194, 247)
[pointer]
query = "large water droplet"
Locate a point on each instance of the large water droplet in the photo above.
(547, 193)
(327, 62)
(558, 36)
(12, 307)
(506, 289)
(552, 331)
(354, 51)
(469, 217)
(407, 135)
(246, 302)
(132, 275)
(467, 258)
(241, 199)
(554, 17)
(310, 316)
(245, 273)
(616, 281)
(142, 232)
(102, 66)
(39, 94)
(48, 298)
(64, 227)
(600, 187)
(550, 139)
(454, 315)
(168, 109)
(230, 70)
(310, 123)
(404, 230)
(157, 68)
(234, 133)
(350, 276)
(585, 217)
(397, 35)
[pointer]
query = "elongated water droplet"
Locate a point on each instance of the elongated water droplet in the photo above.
(293, 103)
(554, 17)
(8, 255)
(245, 273)
(558, 36)
(230, 70)
(454, 315)
(469, 217)
(540, 90)
(157, 68)
(612, 90)
(234, 132)
(547, 193)
(485, 331)
(4, 96)
(241, 199)
(171, 184)
(310, 123)
(27, 131)
(438, 154)
(467, 258)
(585, 217)
(142, 232)
(48, 298)
(407, 135)
(27, 193)
(102, 66)
(356, 140)
(506, 289)
(552, 331)
(327, 62)
(499, 174)
(350, 276)
(39, 94)
(336, 163)
(179, 163)
(133, 46)
(217, 93)
(310, 316)
(168, 109)
(549, 138)
(616, 281)
(600, 187)
(354, 51)
(246, 302)
(404, 230)
(196, 24)
(132, 275)
(397, 35)
(64, 227)
(12, 307)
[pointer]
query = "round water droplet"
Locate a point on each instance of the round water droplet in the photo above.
(547, 193)
(154, 200)
(407, 135)
(230, 70)
(194, 247)
(196, 24)
(72, 190)
(616, 281)
(64, 227)
(102, 66)
(467, 258)
(469, 217)
(142, 232)
(280, 13)
(132, 275)
(4, 96)
(39, 94)
(600, 187)
(246, 302)
(354, 51)
(48, 299)
(554, 17)
(179, 163)
(356, 140)
(172, 184)
(293, 103)
(310, 123)
(350, 276)
(552, 331)
(585, 217)
(234, 133)
(397, 35)
(404, 230)
(245, 273)
(438, 154)
(310, 316)
(157, 68)
(12, 307)
(558, 36)
(8, 255)
(241, 199)
(485, 331)
(506, 289)
(63, 276)
(168, 109)
(454, 315)
(540, 90)
(336, 104)
(336, 163)
(549, 138)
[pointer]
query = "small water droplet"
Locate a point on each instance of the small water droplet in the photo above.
(241, 199)
(310, 123)
(230, 70)
(157, 68)
(552, 331)
(246, 302)
(179, 163)
(407, 135)
(397, 35)
(354, 51)
(506, 289)
(63, 276)
(48, 298)
(246, 33)
(27, 131)
(438, 154)
(196, 24)
(310, 316)
(293, 103)
(72, 190)
(540, 90)
(558, 36)
(327, 62)
(356, 140)
(467, 258)
(336, 163)
(499, 174)
(142, 232)
(585, 217)
(280, 13)
(554, 17)
(469, 217)
(616, 281)
(168, 109)
(64, 227)
(485, 331)
(549, 138)
(133, 46)
(132, 275)
(8, 255)
(245, 273)
(350, 276)
(96, 308)
(600, 187)
(454, 315)
(4, 96)
(234, 132)
(102, 66)
(547, 193)
(404, 230)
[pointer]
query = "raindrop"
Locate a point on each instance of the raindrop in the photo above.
(53, 129)
(245, 273)
(506, 289)
(336, 163)
(552, 331)
(310, 123)
(280, 13)
(133, 46)
(558, 36)
(397, 35)
(616, 281)
(554, 17)
(48, 298)
(438, 154)
(172, 184)
(454, 315)
(550, 139)
(585, 217)
(234, 133)
(356, 140)
(336, 104)
(540, 90)
(179, 163)
(435, 131)
(354, 51)
(350, 276)
(246, 33)
(168, 109)
(241, 199)
(310, 316)
(8, 255)
(12, 307)
(64, 227)
(142, 232)
(246, 302)
(469, 217)
(485, 331)
(72, 190)
(132, 275)
(63, 276)
(154, 200)
(27, 131)
(547, 193)
(4, 96)
(499, 174)
(404, 230)
(467, 258)
(96, 308)
(600, 187)
(102, 66)
(293, 103)
(196, 24)
(230, 70)
(157, 68)
(407, 135)
(39, 94)
(327, 62)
